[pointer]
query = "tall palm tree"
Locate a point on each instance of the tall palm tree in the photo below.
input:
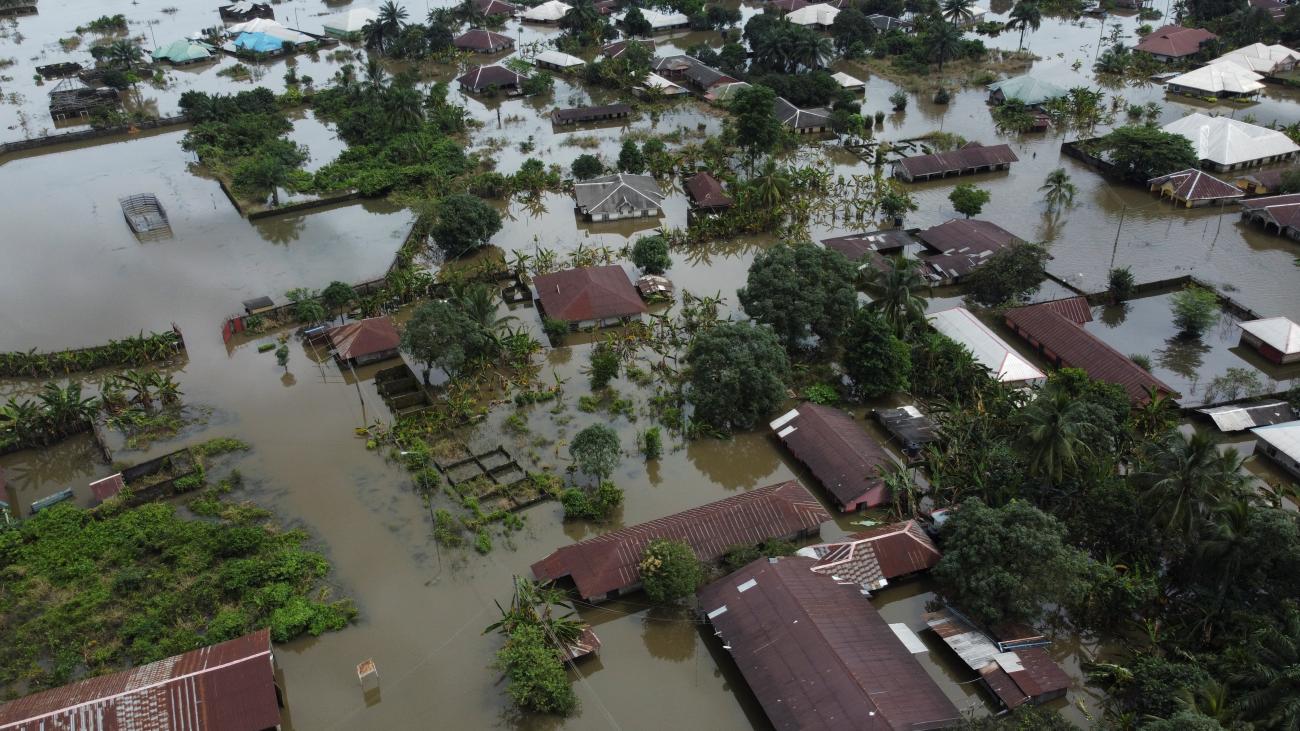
(1055, 433)
(1058, 190)
(405, 107)
(895, 287)
(772, 186)
(944, 40)
(1272, 674)
(376, 77)
(957, 11)
(124, 54)
(478, 302)
(1026, 15)
(1184, 478)
(392, 18)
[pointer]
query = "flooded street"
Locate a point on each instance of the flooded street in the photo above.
(75, 275)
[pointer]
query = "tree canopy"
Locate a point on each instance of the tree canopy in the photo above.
(753, 121)
(650, 254)
(595, 450)
(968, 199)
(443, 335)
(464, 223)
(801, 291)
(1140, 153)
(737, 375)
(1009, 276)
(877, 361)
(670, 571)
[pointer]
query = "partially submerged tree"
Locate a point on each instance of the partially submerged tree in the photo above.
(753, 122)
(1140, 153)
(441, 334)
(670, 571)
(877, 361)
(1009, 276)
(337, 296)
(737, 375)
(464, 223)
(595, 450)
(802, 291)
(650, 254)
(586, 166)
(968, 199)
(1058, 191)
(1195, 310)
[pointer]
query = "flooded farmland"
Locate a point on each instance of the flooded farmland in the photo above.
(75, 276)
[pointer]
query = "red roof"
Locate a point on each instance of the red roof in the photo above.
(872, 557)
(961, 245)
(107, 487)
(840, 454)
(616, 48)
(1194, 185)
(496, 7)
(1074, 309)
(225, 687)
(1175, 41)
(973, 155)
(1284, 210)
(817, 654)
(707, 192)
(359, 339)
(594, 293)
(1078, 348)
(482, 77)
(612, 561)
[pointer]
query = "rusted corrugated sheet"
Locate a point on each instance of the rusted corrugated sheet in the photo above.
(365, 337)
(612, 561)
(1074, 309)
(107, 487)
(594, 293)
(1078, 348)
(842, 456)
(225, 687)
(817, 654)
(871, 558)
(707, 192)
(956, 161)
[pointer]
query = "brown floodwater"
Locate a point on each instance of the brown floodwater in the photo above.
(74, 275)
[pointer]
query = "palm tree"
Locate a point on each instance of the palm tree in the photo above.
(392, 18)
(1272, 674)
(405, 107)
(477, 301)
(1185, 478)
(1025, 15)
(375, 74)
(896, 287)
(124, 54)
(944, 40)
(772, 186)
(536, 604)
(1055, 433)
(957, 11)
(1058, 190)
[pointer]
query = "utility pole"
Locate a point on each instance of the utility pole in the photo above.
(1115, 246)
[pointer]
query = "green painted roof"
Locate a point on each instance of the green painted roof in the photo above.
(182, 51)
(1028, 89)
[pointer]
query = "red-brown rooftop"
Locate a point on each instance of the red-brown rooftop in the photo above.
(592, 293)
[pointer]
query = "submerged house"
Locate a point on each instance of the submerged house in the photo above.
(1267, 60)
(1062, 339)
(1262, 182)
(817, 654)
(843, 457)
(616, 48)
(1004, 363)
(609, 565)
(364, 341)
(820, 15)
(1219, 79)
(1015, 671)
(969, 159)
(224, 687)
(706, 193)
(1224, 144)
(349, 24)
(909, 427)
(588, 297)
(1281, 443)
(245, 10)
(479, 40)
(184, 52)
(1174, 42)
(1028, 90)
(557, 61)
(618, 196)
(71, 99)
(1194, 188)
(1276, 338)
(873, 557)
(496, 7)
(1239, 417)
(488, 78)
(958, 247)
(1279, 214)
(548, 12)
(603, 113)
(872, 247)
(802, 121)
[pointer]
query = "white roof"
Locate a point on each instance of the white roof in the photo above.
(1220, 76)
(552, 10)
(992, 351)
(557, 58)
(351, 21)
(270, 28)
(1229, 141)
(846, 81)
(243, 6)
(1244, 416)
(656, 81)
(819, 14)
(1278, 332)
(1285, 437)
(659, 20)
(1259, 57)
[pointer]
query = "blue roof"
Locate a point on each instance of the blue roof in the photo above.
(258, 42)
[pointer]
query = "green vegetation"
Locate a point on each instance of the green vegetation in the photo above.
(104, 24)
(241, 138)
(670, 571)
(1009, 276)
(737, 557)
(874, 358)
(652, 443)
(1141, 153)
(78, 591)
(444, 335)
(591, 504)
(595, 451)
(464, 223)
(801, 291)
(536, 635)
(133, 351)
(57, 413)
(1120, 283)
(968, 200)
(1058, 191)
(586, 166)
(1195, 310)
(650, 254)
(737, 375)
(605, 364)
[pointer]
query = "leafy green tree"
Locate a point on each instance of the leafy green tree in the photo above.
(310, 311)
(586, 166)
(630, 159)
(441, 334)
(595, 450)
(1058, 191)
(595, 504)
(1009, 276)
(1183, 479)
(1003, 564)
(670, 571)
(282, 357)
(801, 291)
(465, 222)
(337, 296)
(874, 358)
(851, 30)
(755, 127)
(532, 664)
(737, 375)
(269, 168)
(896, 202)
(1271, 674)
(635, 23)
(1195, 310)
(604, 365)
(968, 200)
(650, 254)
(1054, 434)
(1140, 153)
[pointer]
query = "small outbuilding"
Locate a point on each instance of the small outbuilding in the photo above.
(1276, 338)
(72, 99)
(591, 296)
(656, 84)
(1017, 675)
(496, 7)
(184, 52)
(819, 15)
(364, 341)
(557, 61)
(843, 457)
(1263, 182)
(909, 427)
(852, 83)
(549, 12)
(1239, 417)
(1028, 90)
(258, 305)
(618, 196)
(706, 193)
(802, 121)
(1281, 443)
(654, 287)
(885, 23)
(479, 40)
(482, 79)
(1194, 188)
(616, 48)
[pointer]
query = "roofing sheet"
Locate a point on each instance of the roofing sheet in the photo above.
(370, 336)
(1195, 185)
(558, 58)
(1261, 58)
(482, 77)
(817, 654)
(856, 246)
(1280, 333)
(618, 193)
(1220, 77)
(580, 114)
(1284, 437)
(1006, 365)
(818, 14)
(1174, 40)
(483, 41)
(593, 293)
(954, 161)
(796, 118)
(548, 12)
(707, 192)
(841, 455)
(1227, 141)
(1028, 89)
(1240, 417)
(350, 21)
(871, 558)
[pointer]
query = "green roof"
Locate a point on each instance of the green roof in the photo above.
(182, 51)
(1028, 90)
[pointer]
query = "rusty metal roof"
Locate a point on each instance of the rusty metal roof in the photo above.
(364, 337)
(224, 687)
(1194, 185)
(817, 654)
(482, 77)
(1074, 309)
(873, 557)
(1078, 348)
(107, 487)
(856, 246)
(1175, 40)
(707, 192)
(586, 114)
(612, 561)
(973, 155)
(483, 41)
(840, 454)
(593, 293)
(1015, 676)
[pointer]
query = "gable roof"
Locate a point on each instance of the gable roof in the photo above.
(182, 51)
(558, 58)
(496, 7)
(707, 192)
(1174, 40)
(973, 155)
(350, 21)
(873, 557)
(593, 293)
(817, 654)
(856, 246)
(483, 41)
(818, 14)
(1194, 185)
(1220, 77)
(1229, 141)
(841, 455)
(583, 114)
(1003, 362)
(358, 339)
(613, 193)
(1015, 676)
(1028, 90)
(482, 77)
(886, 23)
(225, 687)
(549, 11)
(1279, 333)
(960, 245)
(616, 48)
(612, 560)
(1261, 58)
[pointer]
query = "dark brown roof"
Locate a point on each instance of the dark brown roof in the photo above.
(1194, 185)
(482, 77)
(856, 246)
(1284, 210)
(961, 245)
(359, 339)
(707, 192)
(612, 561)
(1269, 179)
(594, 293)
(973, 155)
(616, 49)
(873, 557)
(839, 453)
(1175, 41)
(483, 41)
(1074, 309)
(580, 114)
(818, 655)
(1078, 348)
(225, 687)
(796, 118)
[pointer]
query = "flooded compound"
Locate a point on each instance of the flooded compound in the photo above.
(75, 276)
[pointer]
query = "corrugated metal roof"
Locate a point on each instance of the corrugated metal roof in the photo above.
(973, 155)
(707, 192)
(359, 339)
(1174, 40)
(617, 193)
(839, 453)
(1244, 416)
(1284, 437)
(593, 293)
(107, 487)
(612, 561)
(580, 114)
(1195, 185)
(871, 558)
(483, 41)
(224, 687)
(1003, 362)
(856, 246)
(817, 654)
(482, 77)
(1278, 332)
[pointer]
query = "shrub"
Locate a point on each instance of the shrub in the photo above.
(537, 679)
(555, 329)
(586, 166)
(821, 393)
(670, 571)
(899, 100)
(598, 504)
(482, 541)
(595, 450)
(1195, 310)
(1120, 283)
(652, 443)
(604, 365)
